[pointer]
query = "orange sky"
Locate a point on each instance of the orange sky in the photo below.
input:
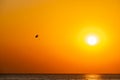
(62, 26)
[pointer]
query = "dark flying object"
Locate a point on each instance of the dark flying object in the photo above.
(36, 36)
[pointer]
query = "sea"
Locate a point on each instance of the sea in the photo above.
(59, 76)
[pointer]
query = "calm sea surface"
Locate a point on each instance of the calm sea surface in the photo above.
(59, 77)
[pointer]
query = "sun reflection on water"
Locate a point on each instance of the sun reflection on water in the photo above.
(92, 77)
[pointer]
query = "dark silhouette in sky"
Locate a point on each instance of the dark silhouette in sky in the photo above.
(36, 36)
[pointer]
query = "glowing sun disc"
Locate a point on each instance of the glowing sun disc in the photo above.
(92, 40)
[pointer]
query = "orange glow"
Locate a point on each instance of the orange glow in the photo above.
(92, 77)
(92, 31)
(62, 26)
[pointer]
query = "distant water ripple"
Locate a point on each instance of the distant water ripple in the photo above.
(59, 77)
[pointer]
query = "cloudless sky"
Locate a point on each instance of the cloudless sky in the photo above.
(60, 47)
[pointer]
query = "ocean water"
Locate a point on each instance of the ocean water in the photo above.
(59, 77)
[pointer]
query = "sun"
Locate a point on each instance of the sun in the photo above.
(92, 40)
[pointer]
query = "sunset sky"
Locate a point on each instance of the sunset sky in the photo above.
(63, 26)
